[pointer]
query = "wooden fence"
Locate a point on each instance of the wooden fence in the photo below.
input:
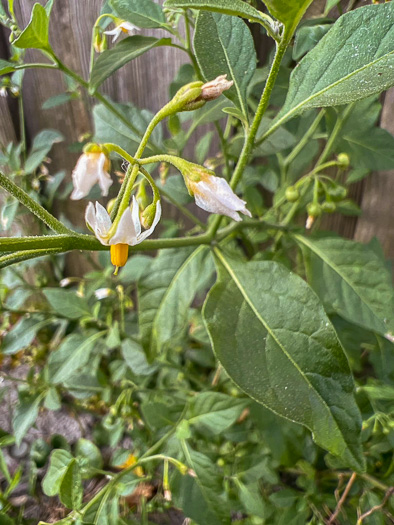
(145, 82)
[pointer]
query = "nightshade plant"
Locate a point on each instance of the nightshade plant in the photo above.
(291, 307)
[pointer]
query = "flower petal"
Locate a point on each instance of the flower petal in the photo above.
(104, 178)
(148, 232)
(135, 214)
(125, 232)
(82, 182)
(207, 199)
(116, 32)
(90, 216)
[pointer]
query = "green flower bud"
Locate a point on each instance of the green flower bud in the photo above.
(314, 209)
(328, 207)
(343, 160)
(148, 215)
(337, 193)
(141, 196)
(292, 194)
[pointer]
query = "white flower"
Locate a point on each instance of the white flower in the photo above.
(123, 27)
(129, 227)
(103, 293)
(91, 168)
(3, 91)
(215, 195)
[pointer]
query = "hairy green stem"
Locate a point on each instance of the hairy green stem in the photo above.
(304, 140)
(36, 208)
(251, 135)
(334, 134)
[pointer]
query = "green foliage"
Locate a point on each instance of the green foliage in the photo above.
(351, 279)
(113, 59)
(345, 66)
(142, 13)
(224, 45)
(264, 302)
(36, 33)
(261, 398)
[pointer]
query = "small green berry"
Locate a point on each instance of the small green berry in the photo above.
(328, 207)
(314, 209)
(292, 194)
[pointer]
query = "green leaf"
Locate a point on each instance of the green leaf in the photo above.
(108, 127)
(6, 67)
(351, 279)
(36, 33)
(165, 294)
(224, 45)
(73, 354)
(171, 317)
(67, 303)
(233, 8)
(272, 336)
(60, 459)
(142, 13)
(289, 12)
(25, 416)
(329, 5)
(215, 411)
(307, 37)
(57, 100)
(135, 358)
(22, 334)
(373, 150)
(353, 61)
(42, 144)
(113, 59)
(71, 491)
(210, 482)
(89, 453)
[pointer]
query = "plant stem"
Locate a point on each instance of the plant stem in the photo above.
(304, 141)
(251, 135)
(343, 498)
(36, 208)
(99, 96)
(334, 134)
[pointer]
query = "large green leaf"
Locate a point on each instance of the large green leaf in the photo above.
(224, 45)
(109, 128)
(73, 354)
(113, 59)
(351, 279)
(142, 13)
(215, 411)
(234, 8)
(42, 144)
(353, 61)
(36, 33)
(274, 339)
(167, 292)
(25, 416)
(201, 498)
(22, 334)
(289, 12)
(59, 461)
(67, 303)
(71, 491)
(6, 67)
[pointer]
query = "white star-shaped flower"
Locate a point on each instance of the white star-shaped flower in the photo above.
(123, 27)
(91, 168)
(215, 195)
(129, 227)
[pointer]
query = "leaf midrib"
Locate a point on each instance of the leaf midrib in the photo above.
(324, 90)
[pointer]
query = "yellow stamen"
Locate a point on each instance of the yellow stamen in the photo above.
(119, 255)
